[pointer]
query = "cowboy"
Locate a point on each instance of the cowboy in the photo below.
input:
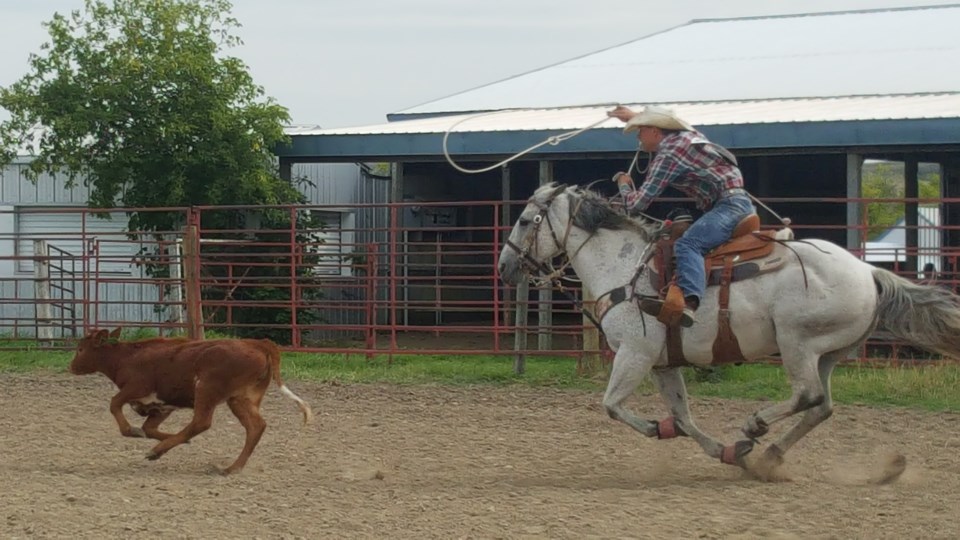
(704, 171)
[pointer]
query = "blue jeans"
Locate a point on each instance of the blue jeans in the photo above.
(712, 229)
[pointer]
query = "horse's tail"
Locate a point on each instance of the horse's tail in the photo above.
(926, 316)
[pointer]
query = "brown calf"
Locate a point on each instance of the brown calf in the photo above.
(158, 376)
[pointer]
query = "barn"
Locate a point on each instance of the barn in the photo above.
(802, 115)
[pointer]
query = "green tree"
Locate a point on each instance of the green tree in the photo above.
(139, 100)
(884, 180)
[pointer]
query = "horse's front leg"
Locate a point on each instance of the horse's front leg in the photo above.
(672, 389)
(629, 369)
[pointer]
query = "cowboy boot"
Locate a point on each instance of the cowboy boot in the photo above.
(652, 306)
(690, 307)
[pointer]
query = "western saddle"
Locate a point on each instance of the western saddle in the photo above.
(745, 255)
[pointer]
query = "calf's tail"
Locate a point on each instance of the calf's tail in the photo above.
(273, 355)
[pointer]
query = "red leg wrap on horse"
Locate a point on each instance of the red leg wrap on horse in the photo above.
(729, 455)
(667, 428)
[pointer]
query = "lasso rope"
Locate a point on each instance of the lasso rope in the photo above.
(553, 141)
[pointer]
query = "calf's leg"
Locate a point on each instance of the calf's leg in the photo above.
(248, 412)
(152, 424)
(116, 409)
(203, 407)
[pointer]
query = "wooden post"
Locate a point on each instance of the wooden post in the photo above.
(545, 305)
(191, 277)
(505, 222)
(175, 256)
(41, 286)
(591, 362)
(520, 335)
(911, 190)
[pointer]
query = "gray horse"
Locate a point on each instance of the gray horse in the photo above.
(821, 305)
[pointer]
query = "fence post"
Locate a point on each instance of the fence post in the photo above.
(175, 258)
(191, 277)
(41, 285)
(590, 360)
(520, 334)
(545, 306)
(371, 303)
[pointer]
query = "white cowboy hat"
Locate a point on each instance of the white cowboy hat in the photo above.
(660, 117)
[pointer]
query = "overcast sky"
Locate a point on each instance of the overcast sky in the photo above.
(341, 63)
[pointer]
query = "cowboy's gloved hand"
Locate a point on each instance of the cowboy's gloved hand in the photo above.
(621, 113)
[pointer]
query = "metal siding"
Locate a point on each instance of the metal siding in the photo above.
(49, 189)
(121, 299)
(345, 185)
(328, 183)
(64, 230)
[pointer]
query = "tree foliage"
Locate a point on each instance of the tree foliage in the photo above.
(884, 180)
(138, 100)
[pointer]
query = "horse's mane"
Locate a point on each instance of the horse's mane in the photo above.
(595, 212)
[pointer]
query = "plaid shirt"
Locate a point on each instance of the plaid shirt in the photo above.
(686, 161)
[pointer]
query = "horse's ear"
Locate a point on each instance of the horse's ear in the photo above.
(556, 188)
(115, 334)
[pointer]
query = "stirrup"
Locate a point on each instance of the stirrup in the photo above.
(652, 306)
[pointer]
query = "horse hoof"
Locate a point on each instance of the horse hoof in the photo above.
(734, 454)
(136, 432)
(153, 456)
(756, 427)
(668, 429)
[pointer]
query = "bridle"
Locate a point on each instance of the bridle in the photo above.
(547, 274)
(530, 265)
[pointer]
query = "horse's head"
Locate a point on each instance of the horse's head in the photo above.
(545, 225)
(535, 238)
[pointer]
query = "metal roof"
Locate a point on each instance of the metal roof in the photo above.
(879, 52)
(699, 114)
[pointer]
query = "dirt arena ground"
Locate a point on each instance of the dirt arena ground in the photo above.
(440, 462)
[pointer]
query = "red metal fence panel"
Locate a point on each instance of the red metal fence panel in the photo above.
(331, 279)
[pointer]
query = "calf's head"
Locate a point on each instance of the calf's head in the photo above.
(89, 350)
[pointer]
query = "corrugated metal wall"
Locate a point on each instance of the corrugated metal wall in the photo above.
(346, 185)
(120, 296)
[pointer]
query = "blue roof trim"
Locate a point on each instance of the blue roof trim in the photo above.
(938, 131)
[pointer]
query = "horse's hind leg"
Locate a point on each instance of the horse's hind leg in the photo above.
(628, 371)
(674, 392)
(803, 374)
(813, 417)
